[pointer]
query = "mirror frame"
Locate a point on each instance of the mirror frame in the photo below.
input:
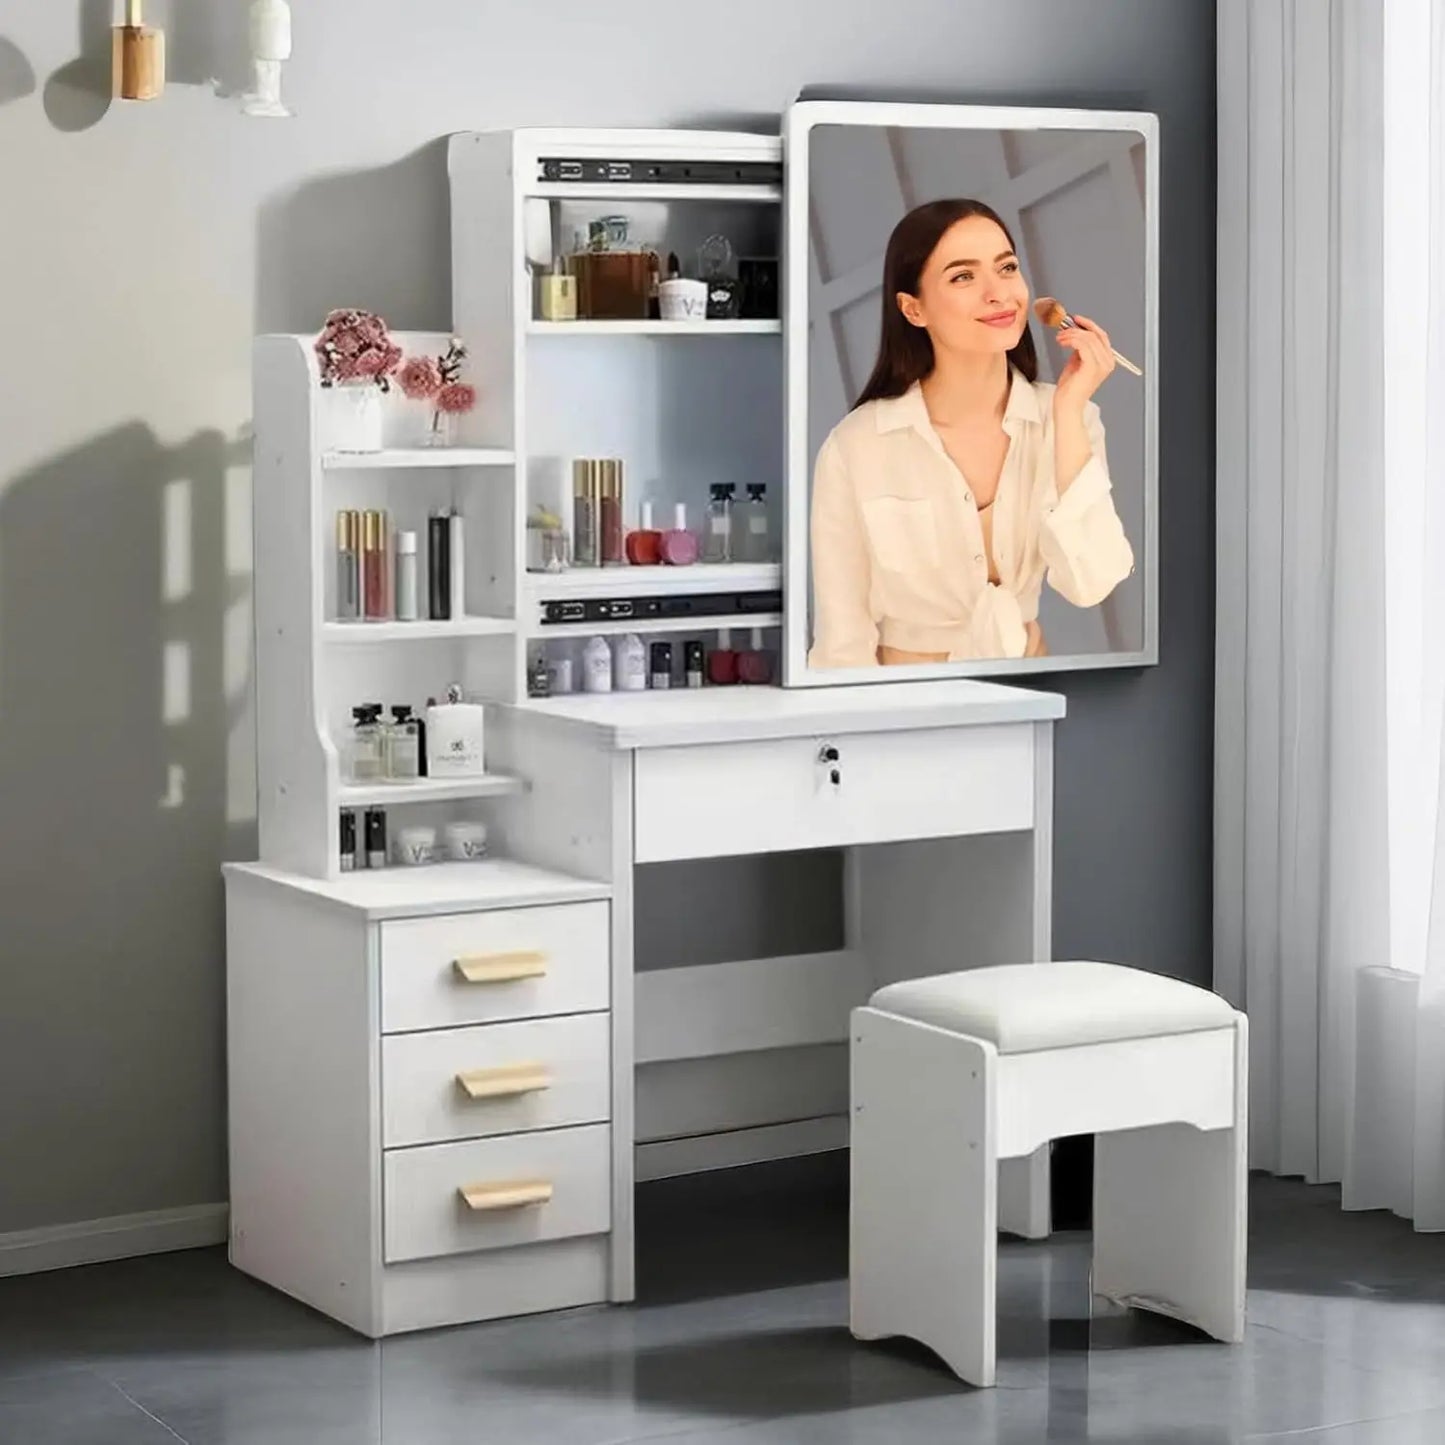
(799, 120)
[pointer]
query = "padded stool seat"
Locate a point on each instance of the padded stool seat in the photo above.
(1020, 1007)
(961, 1074)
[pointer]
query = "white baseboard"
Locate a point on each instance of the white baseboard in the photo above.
(664, 1158)
(28, 1251)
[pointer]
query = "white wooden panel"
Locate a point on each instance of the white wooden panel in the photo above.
(770, 797)
(923, 1218)
(423, 1101)
(421, 988)
(667, 1158)
(496, 1284)
(1131, 1084)
(305, 1147)
(759, 1003)
(729, 1092)
(426, 1216)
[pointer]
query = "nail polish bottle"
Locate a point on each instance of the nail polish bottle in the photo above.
(348, 840)
(679, 546)
(661, 671)
(722, 662)
(644, 546)
(756, 666)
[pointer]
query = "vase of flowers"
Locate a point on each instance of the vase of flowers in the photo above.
(438, 382)
(356, 358)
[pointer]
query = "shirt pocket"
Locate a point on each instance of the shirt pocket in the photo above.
(902, 533)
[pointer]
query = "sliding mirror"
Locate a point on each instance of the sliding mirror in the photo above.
(971, 335)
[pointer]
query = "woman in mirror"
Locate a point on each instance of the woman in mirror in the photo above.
(959, 483)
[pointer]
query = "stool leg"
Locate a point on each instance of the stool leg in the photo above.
(1024, 1207)
(923, 1217)
(1170, 1217)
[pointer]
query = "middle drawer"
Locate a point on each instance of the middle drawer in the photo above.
(495, 1079)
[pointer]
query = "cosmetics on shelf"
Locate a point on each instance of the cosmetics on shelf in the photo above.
(643, 547)
(629, 662)
(751, 534)
(456, 732)
(378, 568)
(458, 840)
(717, 543)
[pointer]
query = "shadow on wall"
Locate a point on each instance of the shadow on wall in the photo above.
(17, 75)
(378, 239)
(77, 95)
(125, 658)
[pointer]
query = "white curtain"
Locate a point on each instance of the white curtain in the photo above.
(1330, 660)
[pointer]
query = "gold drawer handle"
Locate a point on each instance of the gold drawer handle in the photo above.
(501, 967)
(513, 1194)
(501, 1082)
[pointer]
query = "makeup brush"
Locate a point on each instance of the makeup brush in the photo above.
(1052, 314)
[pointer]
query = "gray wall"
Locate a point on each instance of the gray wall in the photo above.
(143, 245)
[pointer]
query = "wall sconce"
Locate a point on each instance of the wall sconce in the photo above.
(138, 57)
(270, 47)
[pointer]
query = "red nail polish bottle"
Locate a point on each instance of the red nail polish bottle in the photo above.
(644, 546)
(722, 661)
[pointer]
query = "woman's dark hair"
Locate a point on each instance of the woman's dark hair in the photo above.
(905, 351)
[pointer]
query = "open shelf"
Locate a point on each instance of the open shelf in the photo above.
(423, 630)
(655, 581)
(428, 790)
(747, 327)
(647, 191)
(414, 457)
(646, 626)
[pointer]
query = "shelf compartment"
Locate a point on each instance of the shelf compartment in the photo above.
(654, 581)
(648, 191)
(413, 458)
(428, 790)
(646, 626)
(749, 326)
(362, 634)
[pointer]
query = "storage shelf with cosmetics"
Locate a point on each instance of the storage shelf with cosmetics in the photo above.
(383, 579)
(619, 293)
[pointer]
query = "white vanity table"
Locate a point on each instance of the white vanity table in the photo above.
(434, 1072)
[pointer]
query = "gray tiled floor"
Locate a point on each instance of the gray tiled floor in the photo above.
(740, 1339)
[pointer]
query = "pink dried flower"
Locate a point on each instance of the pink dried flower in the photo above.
(355, 346)
(419, 378)
(456, 397)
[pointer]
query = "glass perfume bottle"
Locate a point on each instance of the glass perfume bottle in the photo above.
(717, 545)
(365, 760)
(751, 539)
(403, 762)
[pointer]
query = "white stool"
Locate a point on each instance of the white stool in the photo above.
(950, 1074)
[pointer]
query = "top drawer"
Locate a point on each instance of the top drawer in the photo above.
(473, 968)
(779, 794)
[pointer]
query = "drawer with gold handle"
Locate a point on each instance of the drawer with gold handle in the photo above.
(510, 963)
(495, 1193)
(513, 1194)
(495, 1079)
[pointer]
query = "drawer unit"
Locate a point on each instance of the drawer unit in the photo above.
(767, 797)
(469, 1083)
(474, 968)
(495, 1193)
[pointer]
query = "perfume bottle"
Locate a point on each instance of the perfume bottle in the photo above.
(373, 566)
(610, 512)
(586, 521)
(630, 664)
(661, 669)
(751, 542)
(539, 677)
(348, 566)
(403, 763)
(679, 546)
(718, 533)
(455, 732)
(347, 840)
(694, 664)
(365, 760)
(597, 666)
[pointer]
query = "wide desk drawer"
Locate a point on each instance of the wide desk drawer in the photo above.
(495, 1079)
(721, 800)
(494, 1193)
(473, 968)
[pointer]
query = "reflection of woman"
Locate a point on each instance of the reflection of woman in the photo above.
(959, 483)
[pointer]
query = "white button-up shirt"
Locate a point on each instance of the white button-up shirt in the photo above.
(898, 552)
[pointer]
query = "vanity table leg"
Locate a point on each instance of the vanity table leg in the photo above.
(623, 1282)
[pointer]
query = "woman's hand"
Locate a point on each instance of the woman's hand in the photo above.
(1091, 363)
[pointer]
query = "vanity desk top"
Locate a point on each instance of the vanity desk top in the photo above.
(698, 716)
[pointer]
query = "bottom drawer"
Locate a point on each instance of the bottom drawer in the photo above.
(492, 1193)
